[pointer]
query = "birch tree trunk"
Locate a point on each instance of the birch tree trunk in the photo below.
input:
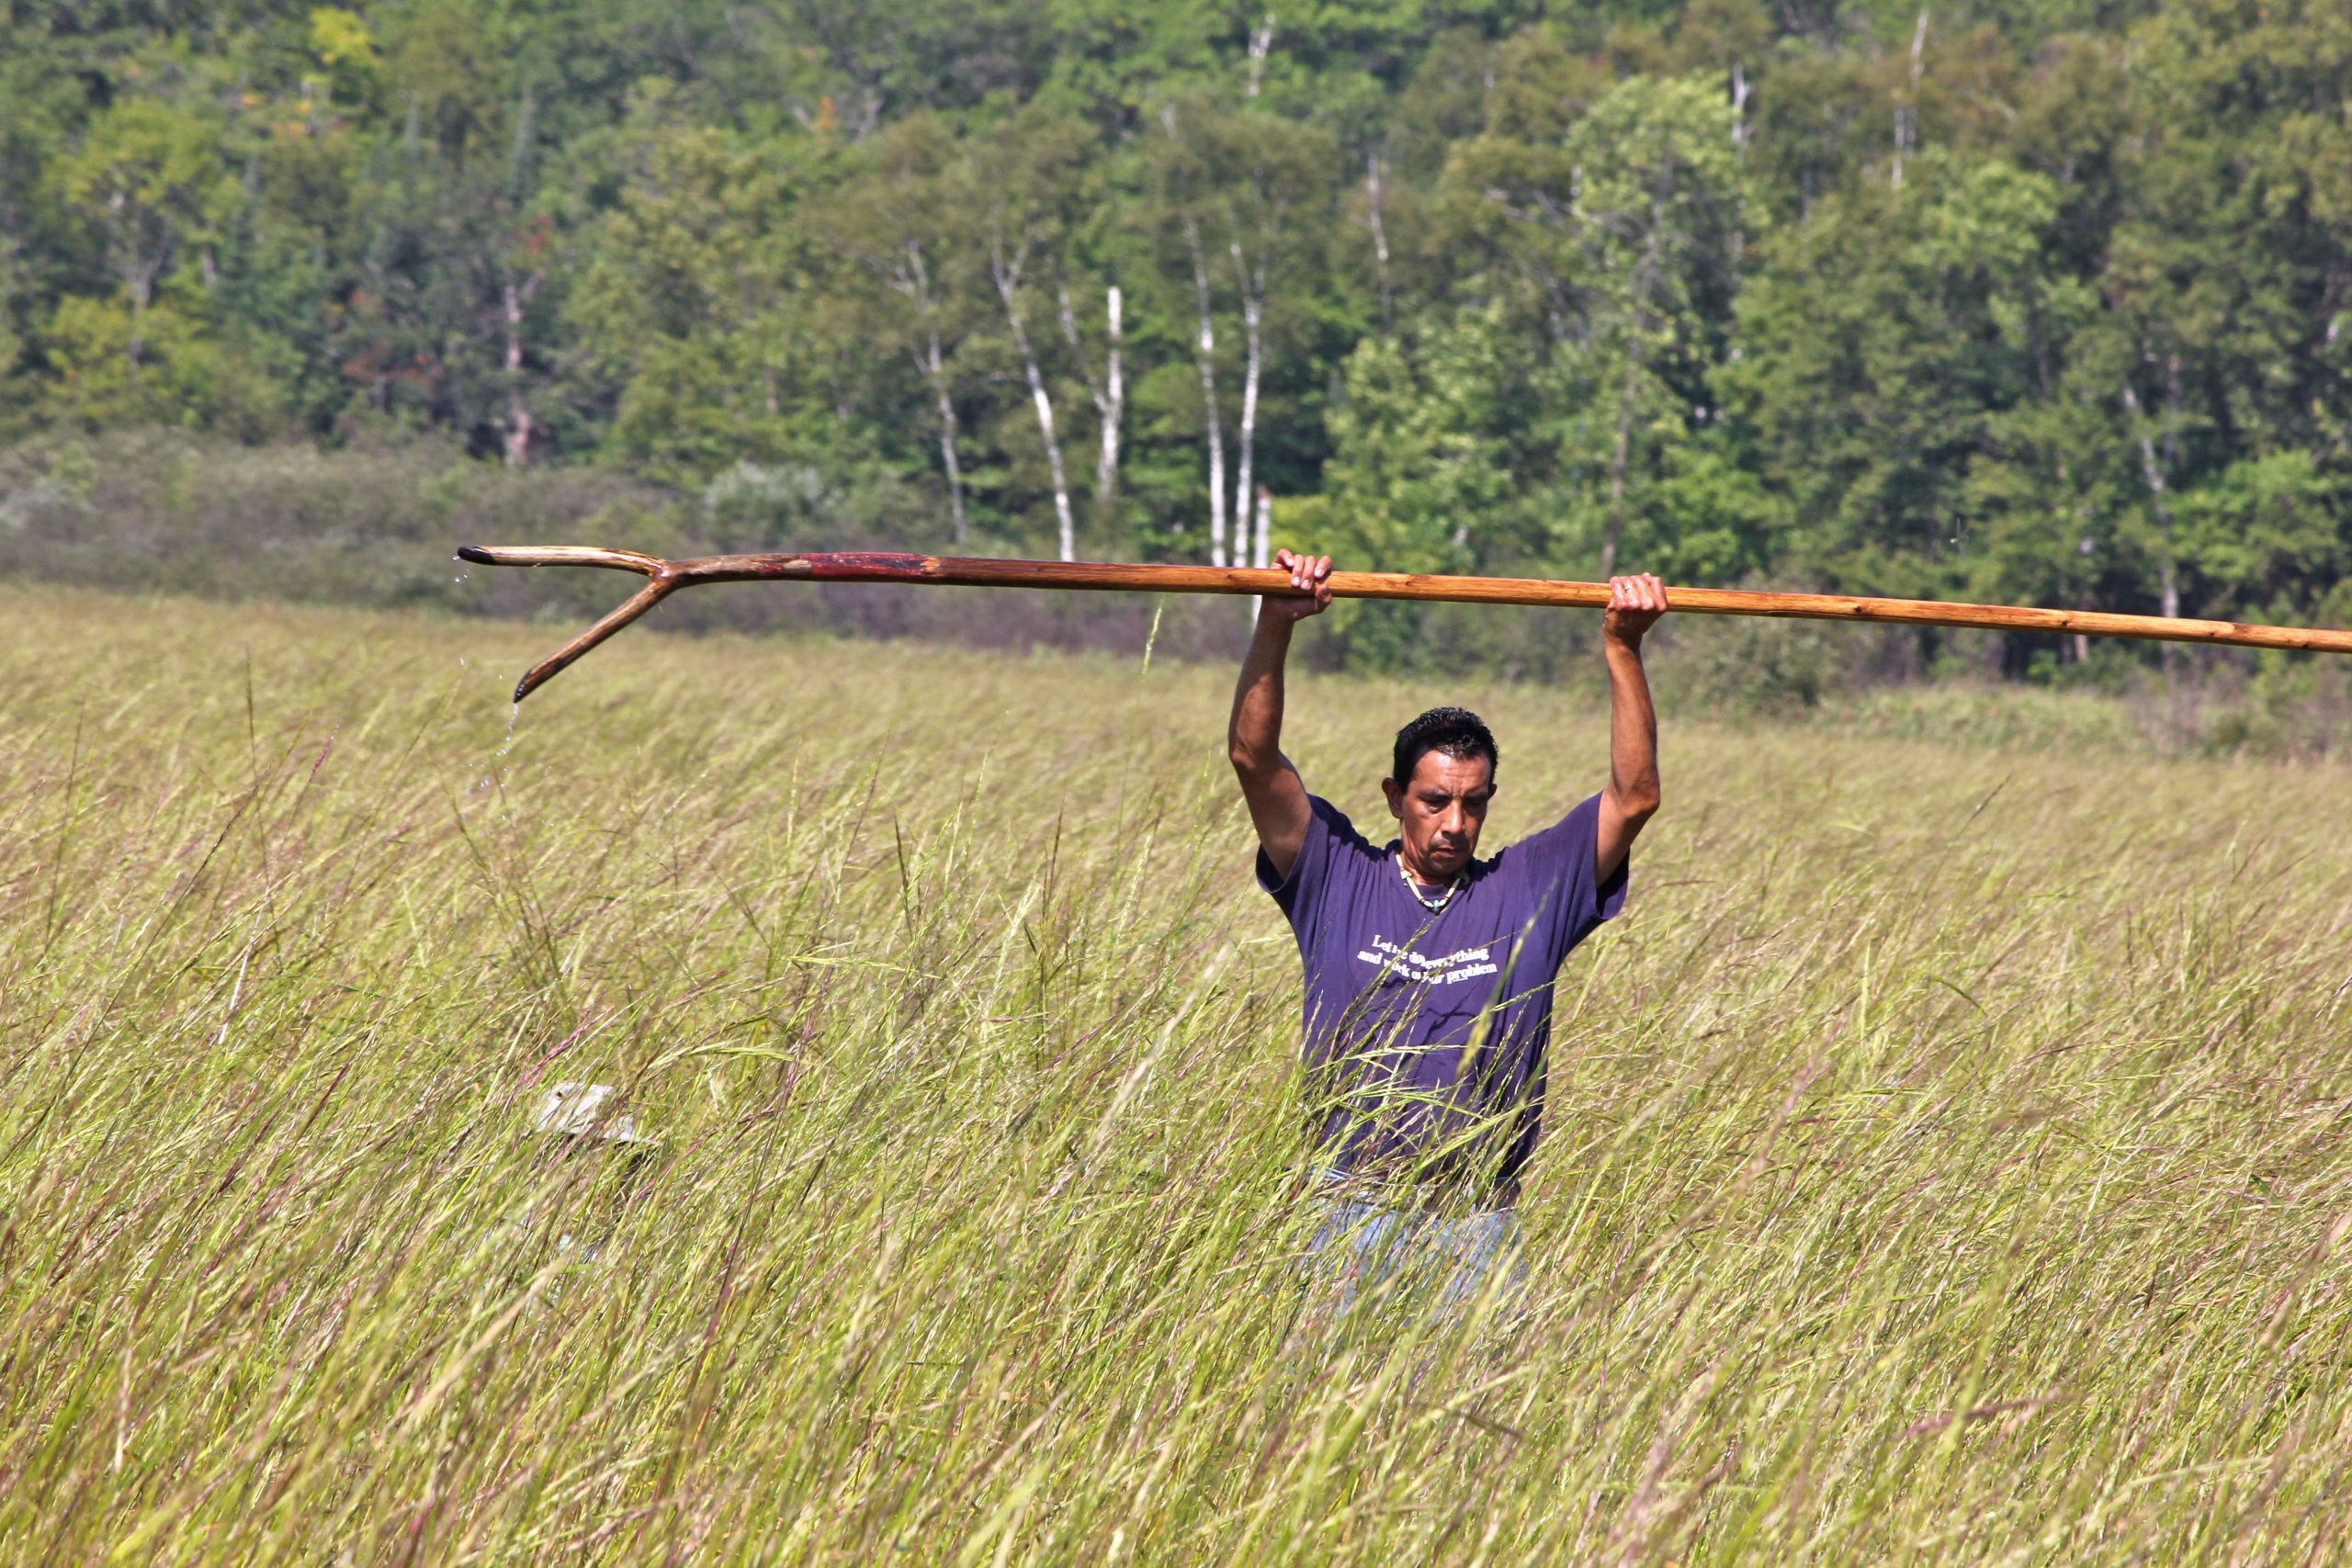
(1739, 94)
(1259, 550)
(2152, 473)
(913, 280)
(934, 369)
(1114, 402)
(1108, 391)
(140, 278)
(1008, 283)
(1207, 351)
(2168, 568)
(1252, 315)
(520, 426)
(1372, 190)
(1906, 112)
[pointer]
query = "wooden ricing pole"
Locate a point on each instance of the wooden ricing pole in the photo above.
(666, 577)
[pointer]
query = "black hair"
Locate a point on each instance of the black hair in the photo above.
(1457, 732)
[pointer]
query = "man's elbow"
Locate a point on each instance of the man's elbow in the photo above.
(1253, 761)
(1636, 807)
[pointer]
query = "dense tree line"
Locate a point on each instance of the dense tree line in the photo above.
(2040, 300)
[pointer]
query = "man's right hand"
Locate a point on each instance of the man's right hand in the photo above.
(1311, 575)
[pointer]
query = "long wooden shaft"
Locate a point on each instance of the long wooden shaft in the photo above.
(971, 571)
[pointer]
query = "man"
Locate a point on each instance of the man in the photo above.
(1429, 970)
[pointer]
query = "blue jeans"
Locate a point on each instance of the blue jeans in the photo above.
(1417, 1259)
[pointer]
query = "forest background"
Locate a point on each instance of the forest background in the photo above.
(2031, 300)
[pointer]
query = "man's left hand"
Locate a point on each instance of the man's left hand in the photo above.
(1635, 604)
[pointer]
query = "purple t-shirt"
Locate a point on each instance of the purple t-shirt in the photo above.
(1426, 1031)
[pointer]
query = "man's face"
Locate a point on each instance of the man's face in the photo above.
(1439, 813)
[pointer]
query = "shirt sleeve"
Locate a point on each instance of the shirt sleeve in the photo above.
(1568, 900)
(1304, 893)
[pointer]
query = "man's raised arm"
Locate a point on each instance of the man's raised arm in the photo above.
(1634, 605)
(1278, 804)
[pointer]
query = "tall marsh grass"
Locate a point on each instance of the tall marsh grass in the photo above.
(1947, 1153)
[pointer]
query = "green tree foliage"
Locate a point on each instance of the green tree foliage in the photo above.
(2048, 302)
(1415, 472)
(1882, 345)
(694, 312)
(1658, 212)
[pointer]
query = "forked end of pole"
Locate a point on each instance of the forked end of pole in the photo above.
(636, 603)
(660, 575)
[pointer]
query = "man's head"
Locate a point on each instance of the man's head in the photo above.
(1441, 776)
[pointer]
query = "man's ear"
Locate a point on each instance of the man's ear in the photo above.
(1396, 794)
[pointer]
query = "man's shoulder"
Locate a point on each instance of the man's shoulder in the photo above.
(1570, 835)
(1329, 815)
(1332, 861)
(1342, 832)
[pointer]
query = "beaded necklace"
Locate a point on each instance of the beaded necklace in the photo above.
(1432, 905)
